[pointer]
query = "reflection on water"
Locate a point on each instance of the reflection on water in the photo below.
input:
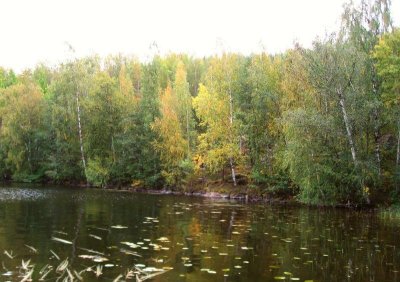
(198, 239)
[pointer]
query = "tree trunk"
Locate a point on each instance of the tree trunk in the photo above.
(377, 134)
(348, 127)
(231, 122)
(398, 156)
(188, 127)
(233, 171)
(113, 150)
(398, 146)
(78, 109)
(377, 145)
(351, 142)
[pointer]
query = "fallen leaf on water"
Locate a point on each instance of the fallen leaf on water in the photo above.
(128, 252)
(94, 258)
(95, 236)
(61, 240)
(131, 245)
(119, 227)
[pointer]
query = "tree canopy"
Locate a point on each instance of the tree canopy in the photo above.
(320, 123)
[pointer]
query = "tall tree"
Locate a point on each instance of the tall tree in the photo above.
(362, 26)
(184, 105)
(216, 144)
(260, 104)
(387, 58)
(68, 89)
(103, 114)
(171, 143)
(222, 81)
(23, 131)
(148, 162)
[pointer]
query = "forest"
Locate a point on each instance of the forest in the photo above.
(320, 123)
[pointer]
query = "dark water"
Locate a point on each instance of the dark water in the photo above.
(200, 239)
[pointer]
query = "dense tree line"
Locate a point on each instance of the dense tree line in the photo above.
(322, 122)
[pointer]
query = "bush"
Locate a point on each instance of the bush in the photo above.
(97, 173)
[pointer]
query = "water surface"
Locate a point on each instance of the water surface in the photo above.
(197, 239)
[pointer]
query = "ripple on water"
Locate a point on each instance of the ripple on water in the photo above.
(24, 194)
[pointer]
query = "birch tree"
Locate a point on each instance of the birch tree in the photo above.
(362, 26)
(387, 58)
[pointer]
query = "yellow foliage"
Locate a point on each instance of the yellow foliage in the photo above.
(171, 144)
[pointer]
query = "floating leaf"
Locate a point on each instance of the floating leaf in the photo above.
(61, 240)
(163, 239)
(35, 251)
(131, 245)
(119, 227)
(62, 266)
(128, 252)
(9, 254)
(287, 273)
(55, 255)
(151, 269)
(95, 236)
(8, 273)
(94, 258)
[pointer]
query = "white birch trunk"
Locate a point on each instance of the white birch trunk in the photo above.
(78, 109)
(398, 147)
(348, 127)
(231, 122)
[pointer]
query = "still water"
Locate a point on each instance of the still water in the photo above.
(99, 235)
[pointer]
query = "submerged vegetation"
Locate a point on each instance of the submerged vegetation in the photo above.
(320, 123)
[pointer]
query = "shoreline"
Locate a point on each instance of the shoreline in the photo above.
(243, 198)
(240, 193)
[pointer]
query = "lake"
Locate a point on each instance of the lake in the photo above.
(101, 235)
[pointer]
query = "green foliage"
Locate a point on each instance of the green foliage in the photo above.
(23, 131)
(320, 123)
(97, 172)
(387, 58)
(171, 143)
(7, 78)
(313, 161)
(216, 144)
